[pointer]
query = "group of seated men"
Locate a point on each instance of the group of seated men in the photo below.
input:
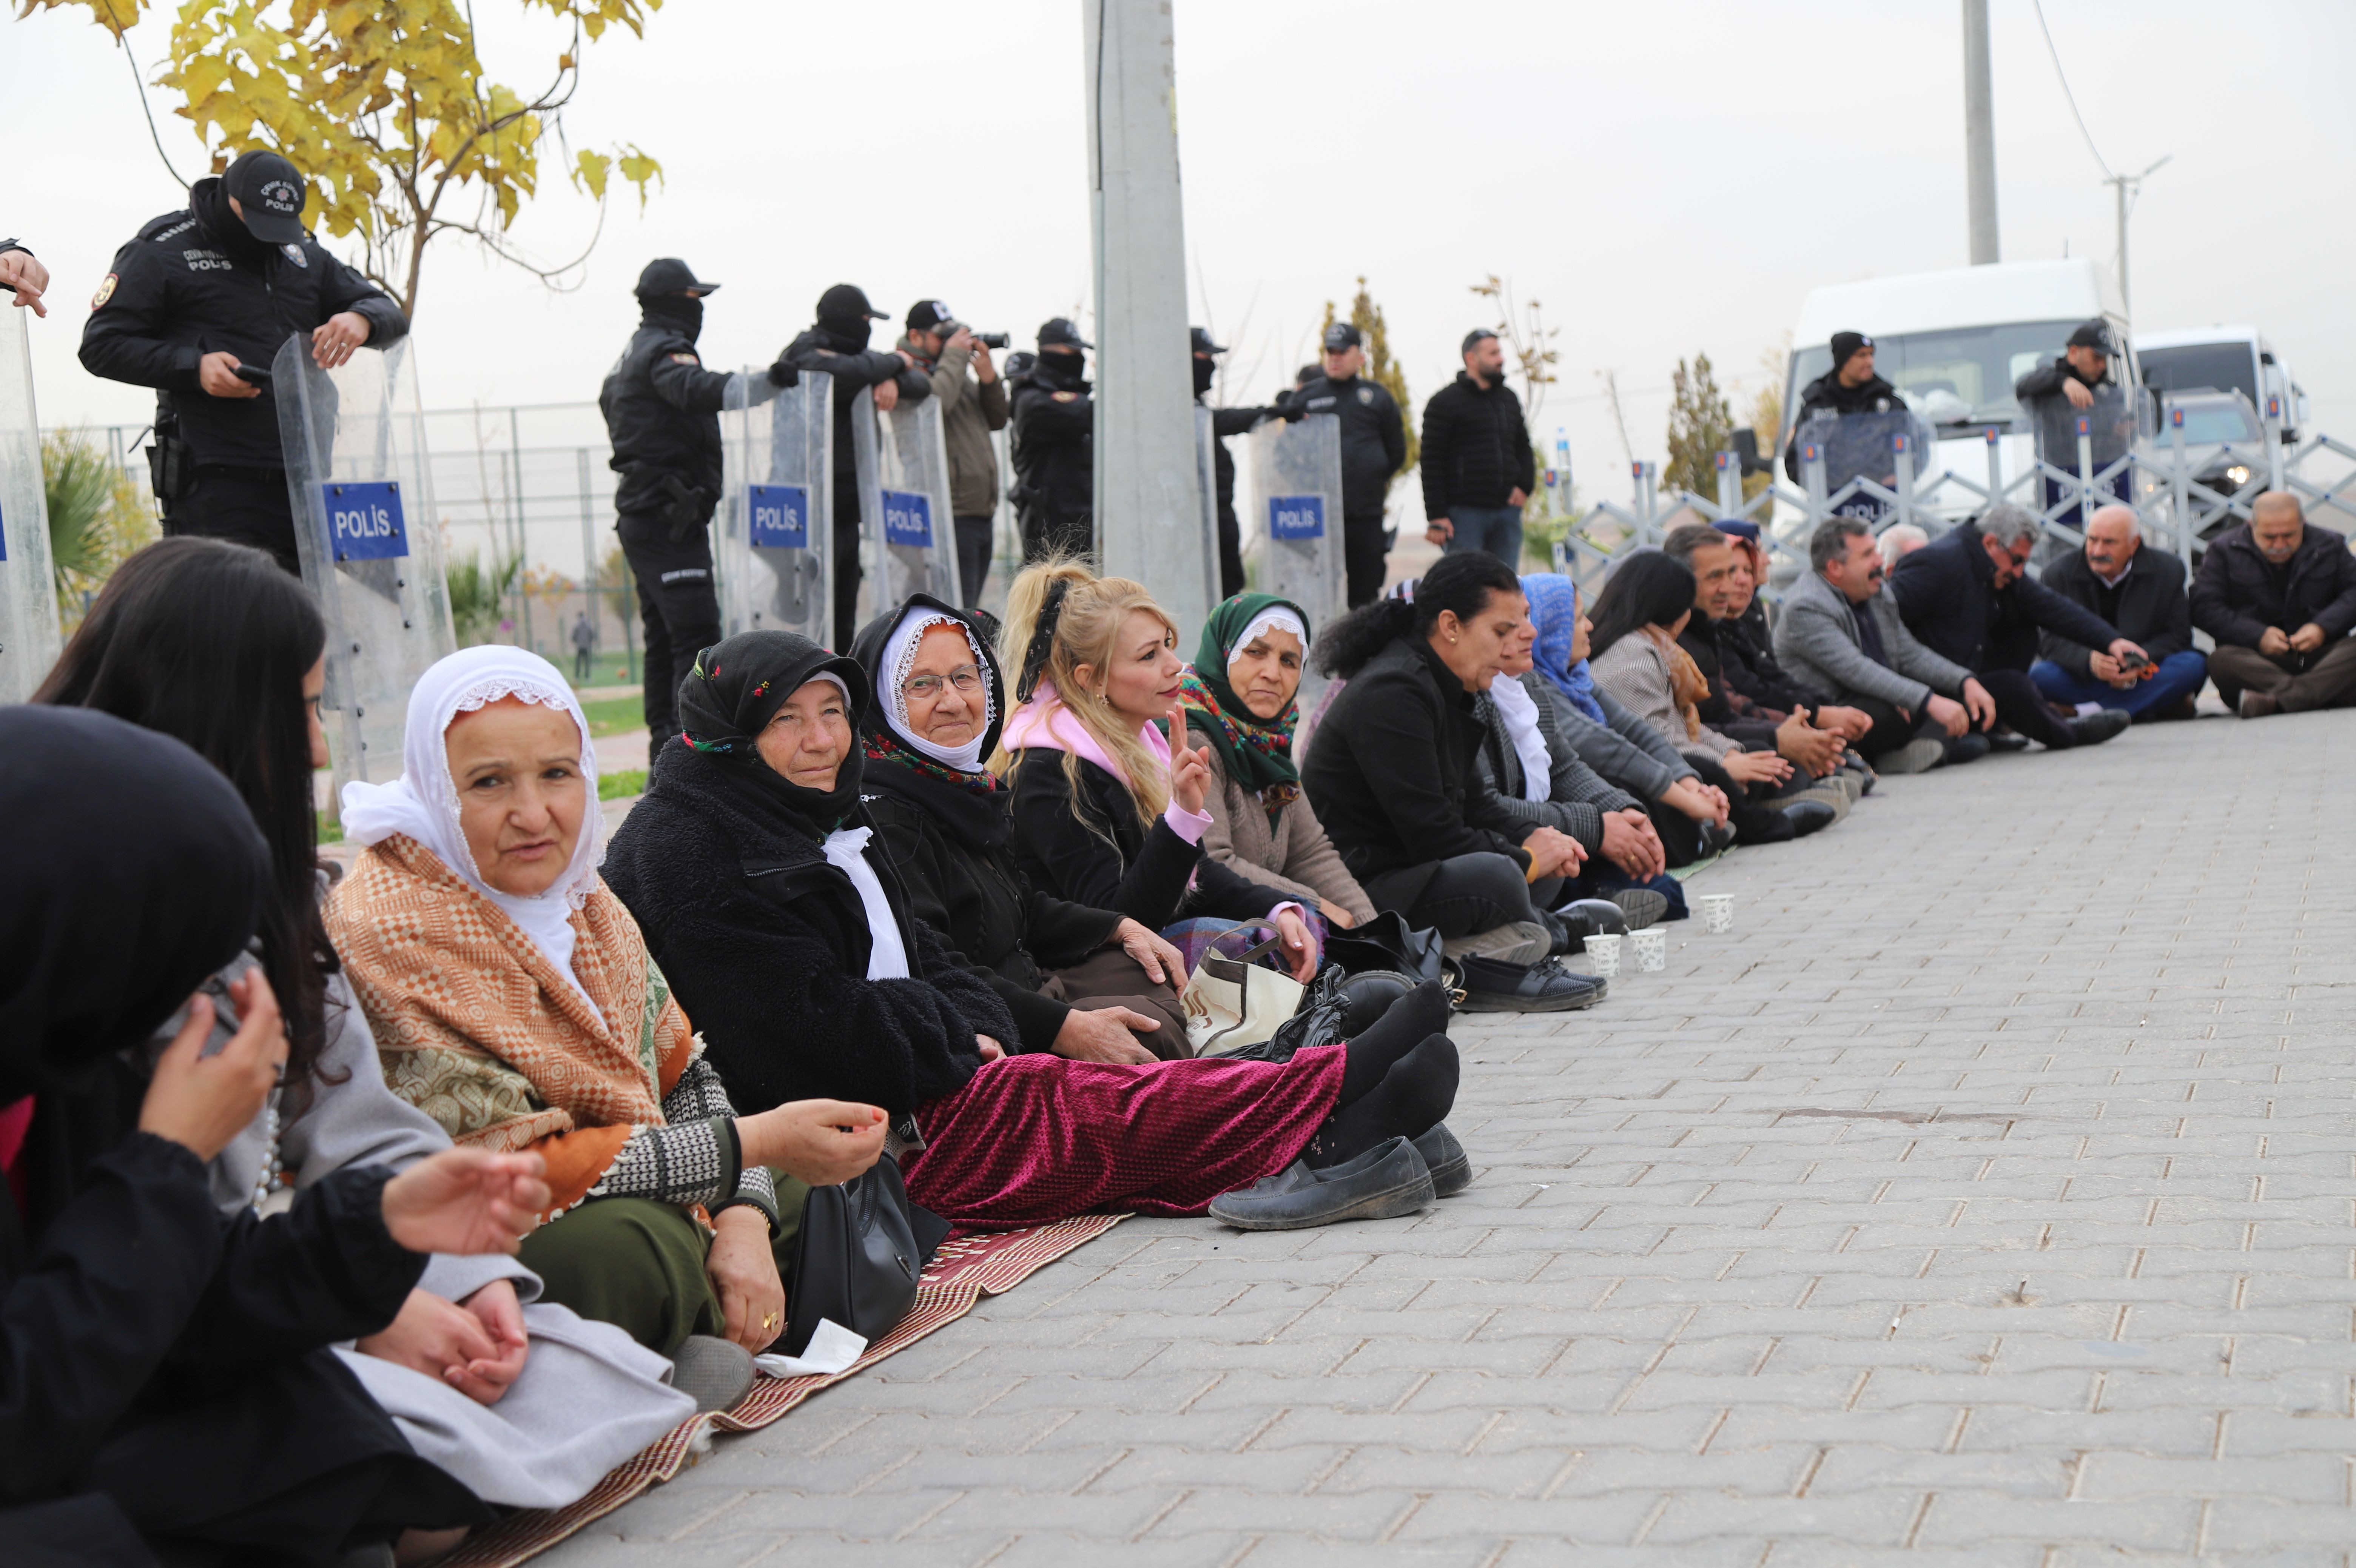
(1964, 650)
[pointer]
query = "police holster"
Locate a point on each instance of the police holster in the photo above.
(169, 463)
(688, 507)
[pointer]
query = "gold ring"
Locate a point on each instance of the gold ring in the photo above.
(770, 1321)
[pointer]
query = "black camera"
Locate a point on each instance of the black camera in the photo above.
(992, 339)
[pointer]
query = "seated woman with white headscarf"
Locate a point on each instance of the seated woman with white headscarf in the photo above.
(514, 1002)
(748, 864)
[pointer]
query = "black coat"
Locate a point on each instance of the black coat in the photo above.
(1476, 450)
(2152, 611)
(766, 945)
(1052, 447)
(1826, 395)
(853, 372)
(1395, 776)
(176, 1363)
(1734, 714)
(1947, 595)
(1746, 654)
(662, 417)
(2237, 593)
(1374, 437)
(1225, 423)
(1113, 862)
(185, 287)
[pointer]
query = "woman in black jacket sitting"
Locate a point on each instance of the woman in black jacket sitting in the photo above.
(789, 939)
(1081, 982)
(1107, 813)
(1395, 777)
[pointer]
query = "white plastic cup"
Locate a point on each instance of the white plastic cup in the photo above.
(1717, 913)
(1604, 952)
(1651, 948)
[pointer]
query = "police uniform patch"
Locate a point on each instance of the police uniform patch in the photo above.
(294, 254)
(105, 291)
(685, 359)
(1365, 394)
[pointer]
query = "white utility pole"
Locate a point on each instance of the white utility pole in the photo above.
(1148, 498)
(1979, 135)
(2124, 189)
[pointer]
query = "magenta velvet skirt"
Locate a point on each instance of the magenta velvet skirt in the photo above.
(1039, 1137)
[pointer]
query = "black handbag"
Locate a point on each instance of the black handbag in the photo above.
(1387, 941)
(861, 1250)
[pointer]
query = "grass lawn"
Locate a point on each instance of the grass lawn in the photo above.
(615, 714)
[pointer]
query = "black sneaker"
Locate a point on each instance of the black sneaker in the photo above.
(2093, 729)
(1544, 986)
(1808, 817)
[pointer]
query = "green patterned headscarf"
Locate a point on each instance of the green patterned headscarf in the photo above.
(1258, 752)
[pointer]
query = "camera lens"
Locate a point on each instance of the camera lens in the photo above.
(992, 339)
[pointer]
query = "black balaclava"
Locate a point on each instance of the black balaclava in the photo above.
(1062, 372)
(209, 202)
(1203, 371)
(682, 313)
(846, 334)
(728, 698)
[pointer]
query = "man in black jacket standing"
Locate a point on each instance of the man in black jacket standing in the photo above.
(197, 306)
(1477, 463)
(838, 345)
(1373, 445)
(2140, 589)
(2279, 595)
(1053, 447)
(1968, 599)
(1225, 423)
(663, 415)
(1850, 387)
(2056, 393)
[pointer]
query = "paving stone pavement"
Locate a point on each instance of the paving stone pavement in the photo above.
(1985, 1197)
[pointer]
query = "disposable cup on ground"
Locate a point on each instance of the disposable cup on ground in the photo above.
(1651, 948)
(1717, 913)
(1604, 952)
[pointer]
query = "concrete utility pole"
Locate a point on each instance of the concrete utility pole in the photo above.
(1979, 134)
(1149, 501)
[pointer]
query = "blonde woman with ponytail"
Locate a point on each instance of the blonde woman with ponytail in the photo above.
(1106, 813)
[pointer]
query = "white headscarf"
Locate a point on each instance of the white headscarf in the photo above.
(423, 801)
(1518, 711)
(892, 671)
(1276, 618)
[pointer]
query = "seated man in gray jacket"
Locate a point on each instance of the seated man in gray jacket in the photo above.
(1839, 633)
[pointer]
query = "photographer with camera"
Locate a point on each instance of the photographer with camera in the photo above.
(197, 307)
(662, 412)
(973, 403)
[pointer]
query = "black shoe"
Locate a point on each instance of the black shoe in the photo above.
(2093, 729)
(1808, 817)
(1584, 918)
(1368, 996)
(1452, 1170)
(1388, 1180)
(1966, 748)
(1546, 986)
(1716, 838)
(1642, 907)
(2007, 741)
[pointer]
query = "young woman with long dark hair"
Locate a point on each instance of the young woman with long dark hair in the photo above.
(1634, 655)
(1396, 780)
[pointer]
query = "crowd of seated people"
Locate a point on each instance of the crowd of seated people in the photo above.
(350, 1211)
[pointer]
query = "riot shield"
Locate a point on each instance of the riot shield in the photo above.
(775, 539)
(1296, 471)
(1864, 446)
(2110, 426)
(369, 541)
(29, 591)
(908, 536)
(1206, 479)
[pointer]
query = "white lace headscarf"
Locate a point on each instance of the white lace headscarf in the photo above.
(900, 657)
(423, 801)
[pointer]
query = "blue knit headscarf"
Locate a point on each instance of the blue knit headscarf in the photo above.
(1554, 610)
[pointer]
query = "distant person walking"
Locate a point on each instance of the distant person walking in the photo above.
(1477, 463)
(584, 645)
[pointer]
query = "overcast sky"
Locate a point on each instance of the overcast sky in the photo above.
(1666, 178)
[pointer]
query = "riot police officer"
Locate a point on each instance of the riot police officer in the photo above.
(1225, 423)
(662, 413)
(1374, 445)
(1053, 447)
(197, 307)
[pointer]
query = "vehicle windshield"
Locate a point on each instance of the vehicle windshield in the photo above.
(2219, 367)
(1962, 375)
(2226, 421)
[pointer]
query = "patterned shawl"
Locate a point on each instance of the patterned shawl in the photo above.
(478, 1031)
(1258, 752)
(1688, 685)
